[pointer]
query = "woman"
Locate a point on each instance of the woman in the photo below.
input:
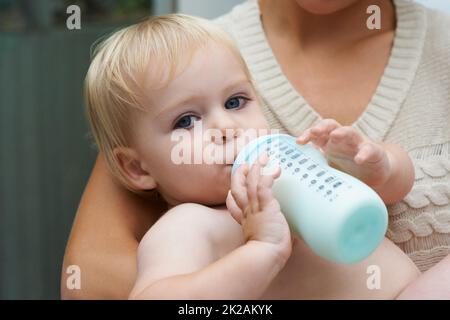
(312, 59)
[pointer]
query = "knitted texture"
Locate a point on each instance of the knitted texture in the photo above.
(410, 107)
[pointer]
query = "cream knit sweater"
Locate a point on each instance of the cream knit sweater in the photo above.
(411, 107)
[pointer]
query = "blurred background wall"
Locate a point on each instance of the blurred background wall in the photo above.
(45, 151)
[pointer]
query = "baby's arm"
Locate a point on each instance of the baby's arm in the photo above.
(177, 258)
(401, 174)
(385, 167)
(433, 284)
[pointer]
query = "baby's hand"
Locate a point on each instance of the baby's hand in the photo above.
(251, 203)
(350, 151)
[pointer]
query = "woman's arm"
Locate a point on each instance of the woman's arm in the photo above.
(108, 226)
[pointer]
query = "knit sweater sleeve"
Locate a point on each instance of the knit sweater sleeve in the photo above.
(420, 224)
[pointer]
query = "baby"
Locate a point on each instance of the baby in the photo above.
(171, 75)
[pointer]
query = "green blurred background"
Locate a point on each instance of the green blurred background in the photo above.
(46, 154)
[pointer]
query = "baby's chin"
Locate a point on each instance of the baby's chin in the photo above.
(211, 200)
(210, 190)
(212, 197)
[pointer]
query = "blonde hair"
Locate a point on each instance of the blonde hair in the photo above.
(114, 79)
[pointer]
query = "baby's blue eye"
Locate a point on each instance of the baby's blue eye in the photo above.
(185, 122)
(235, 102)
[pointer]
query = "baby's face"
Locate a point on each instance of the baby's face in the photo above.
(202, 112)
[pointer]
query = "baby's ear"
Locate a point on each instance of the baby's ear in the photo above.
(131, 166)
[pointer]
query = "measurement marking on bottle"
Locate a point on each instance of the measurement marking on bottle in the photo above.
(289, 151)
(321, 173)
(302, 161)
(337, 184)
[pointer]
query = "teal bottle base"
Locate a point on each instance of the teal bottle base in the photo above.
(361, 234)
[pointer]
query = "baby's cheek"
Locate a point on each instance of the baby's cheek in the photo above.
(212, 183)
(191, 178)
(258, 121)
(180, 190)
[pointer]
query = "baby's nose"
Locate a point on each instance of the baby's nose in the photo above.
(225, 135)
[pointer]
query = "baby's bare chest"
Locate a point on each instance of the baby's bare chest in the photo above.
(302, 276)
(307, 276)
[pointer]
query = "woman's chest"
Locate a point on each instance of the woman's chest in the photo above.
(342, 94)
(337, 85)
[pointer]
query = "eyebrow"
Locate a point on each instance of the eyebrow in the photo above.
(189, 99)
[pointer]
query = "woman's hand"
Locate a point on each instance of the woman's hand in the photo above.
(109, 224)
(251, 203)
(350, 151)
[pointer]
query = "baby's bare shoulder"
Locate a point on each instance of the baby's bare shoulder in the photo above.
(195, 215)
(195, 221)
(185, 239)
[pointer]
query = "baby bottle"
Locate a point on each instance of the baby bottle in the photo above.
(339, 217)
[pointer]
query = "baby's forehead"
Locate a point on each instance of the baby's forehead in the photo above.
(162, 69)
(196, 65)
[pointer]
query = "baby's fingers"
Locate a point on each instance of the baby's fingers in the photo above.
(233, 208)
(252, 183)
(238, 186)
(305, 137)
(368, 153)
(319, 133)
(264, 191)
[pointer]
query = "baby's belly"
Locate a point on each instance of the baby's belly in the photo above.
(306, 276)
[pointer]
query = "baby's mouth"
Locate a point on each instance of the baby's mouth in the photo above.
(232, 150)
(230, 157)
(235, 156)
(230, 164)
